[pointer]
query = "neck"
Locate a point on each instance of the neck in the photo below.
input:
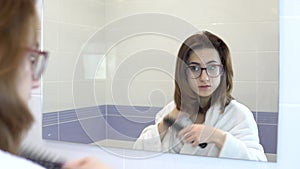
(204, 101)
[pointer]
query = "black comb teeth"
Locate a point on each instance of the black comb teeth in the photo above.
(182, 122)
(42, 157)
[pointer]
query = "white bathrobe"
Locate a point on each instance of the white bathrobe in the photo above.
(241, 142)
(14, 162)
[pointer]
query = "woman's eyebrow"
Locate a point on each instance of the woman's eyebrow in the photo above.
(197, 63)
(194, 63)
(212, 61)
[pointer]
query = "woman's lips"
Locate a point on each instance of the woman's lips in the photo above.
(204, 87)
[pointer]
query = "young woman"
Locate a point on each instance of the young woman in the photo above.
(211, 122)
(21, 66)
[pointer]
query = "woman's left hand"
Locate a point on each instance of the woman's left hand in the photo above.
(199, 133)
(85, 163)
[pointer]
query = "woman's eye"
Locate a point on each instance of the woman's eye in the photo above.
(195, 68)
(211, 67)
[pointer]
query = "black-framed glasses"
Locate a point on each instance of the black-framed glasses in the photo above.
(38, 61)
(194, 71)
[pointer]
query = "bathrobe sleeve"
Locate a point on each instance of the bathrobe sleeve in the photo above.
(149, 139)
(242, 139)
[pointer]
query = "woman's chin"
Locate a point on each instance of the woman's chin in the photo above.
(204, 94)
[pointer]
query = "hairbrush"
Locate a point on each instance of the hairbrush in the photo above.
(182, 122)
(42, 157)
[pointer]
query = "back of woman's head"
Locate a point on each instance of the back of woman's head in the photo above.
(17, 19)
(184, 96)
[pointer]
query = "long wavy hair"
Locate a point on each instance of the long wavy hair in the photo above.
(185, 98)
(17, 19)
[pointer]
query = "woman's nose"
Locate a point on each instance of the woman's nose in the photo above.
(204, 76)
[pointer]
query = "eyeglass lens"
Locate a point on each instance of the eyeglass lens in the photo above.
(195, 71)
(38, 66)
(38, 60)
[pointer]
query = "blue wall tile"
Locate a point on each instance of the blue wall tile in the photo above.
(268, 137)
(73, 132)
(50, 118)
(255, 116)
(138, 111)
(267, 118)
(50, 132)
(67, 115)
(95, 128)
(121, 122)
(121, 128)
(89, 112)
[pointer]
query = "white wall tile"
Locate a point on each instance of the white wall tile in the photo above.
(288, 118)
(151, 93)
(82, 93)
(138, 66)
(268, 36)
(50, 96)
(65, 96)
(100, 92)
(88, 13)
(53, 67)
(245, 92)
(66, 66)
(267, 97)
(72, 38)
(267, 66)
(289, 62)
(205, 11)
(50, 36)
(140, 93)
(244, 66)
(243, 32)
(258, 96)
(148, 51)
(251, 36)
(51, 9)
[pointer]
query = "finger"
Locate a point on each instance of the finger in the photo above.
(86, 163)
(189, 139)
(183, 132)
(192, 140)
(72, 164)
(195, 143)
(76, 163)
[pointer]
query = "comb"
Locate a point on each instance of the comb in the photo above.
(42, 157)
(179, 124)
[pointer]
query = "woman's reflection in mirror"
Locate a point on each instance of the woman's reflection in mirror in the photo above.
(204, 119)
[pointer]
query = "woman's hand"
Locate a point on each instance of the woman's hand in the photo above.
(199, 133)
(85, 163)
(163, 127)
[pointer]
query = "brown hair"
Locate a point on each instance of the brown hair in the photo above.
(17, 18)
(185, 98)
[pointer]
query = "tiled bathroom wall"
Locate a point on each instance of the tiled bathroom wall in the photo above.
(250, 28)
(136, 42)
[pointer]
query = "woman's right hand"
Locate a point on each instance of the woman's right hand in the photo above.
(85, 163)
(162, 126)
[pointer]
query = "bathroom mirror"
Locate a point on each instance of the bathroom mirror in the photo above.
(111, 65)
